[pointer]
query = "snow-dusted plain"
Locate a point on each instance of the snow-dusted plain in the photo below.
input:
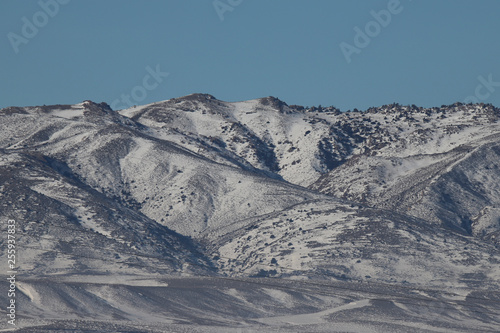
(198, 215)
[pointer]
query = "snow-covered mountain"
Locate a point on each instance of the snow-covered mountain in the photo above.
(396, 195)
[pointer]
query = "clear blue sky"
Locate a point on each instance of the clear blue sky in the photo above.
(430, 53)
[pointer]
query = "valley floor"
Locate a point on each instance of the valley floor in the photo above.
(244, 305)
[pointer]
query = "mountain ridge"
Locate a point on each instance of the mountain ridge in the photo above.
(198, 187)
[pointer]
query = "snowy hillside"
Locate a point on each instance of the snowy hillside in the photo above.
(302, 144)
(230, 193)
(65, 227)
(337, 240)
(177, 187)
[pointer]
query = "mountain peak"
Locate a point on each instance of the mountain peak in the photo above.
(93, 106)
(198, 97)
(273, 101)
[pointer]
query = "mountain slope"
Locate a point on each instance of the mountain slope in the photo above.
(457, 188)
(168, 183)
(386, 157)
(65, 227)
(116, 202)
(324, 239)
